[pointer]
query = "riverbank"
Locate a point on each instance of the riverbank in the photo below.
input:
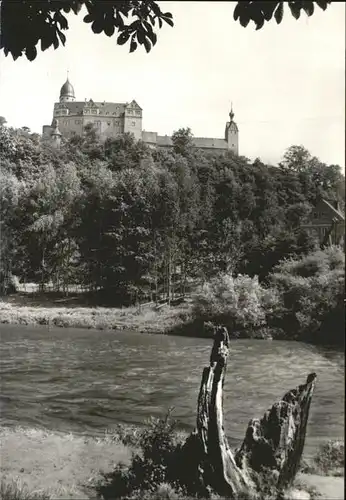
(169, 320)
(183, 319)
(29, 309)
(42, 465)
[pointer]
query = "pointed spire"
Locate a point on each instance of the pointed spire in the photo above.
(231, 115)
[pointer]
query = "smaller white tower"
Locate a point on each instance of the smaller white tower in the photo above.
(232, 134)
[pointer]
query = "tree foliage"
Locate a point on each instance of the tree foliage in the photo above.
(27, 23)
(262, 12)
(144, 223)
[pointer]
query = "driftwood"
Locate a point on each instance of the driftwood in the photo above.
(274, 443)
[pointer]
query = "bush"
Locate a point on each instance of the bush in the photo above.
(331, 457)
(329, 461)
(15, 491)
(314, 264)
(311, 291)
(153, 467)
(238, 303)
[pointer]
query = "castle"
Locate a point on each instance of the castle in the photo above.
(111, 119)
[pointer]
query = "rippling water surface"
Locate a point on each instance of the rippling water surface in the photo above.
(85, 381)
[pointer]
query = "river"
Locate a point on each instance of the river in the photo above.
(85, 381)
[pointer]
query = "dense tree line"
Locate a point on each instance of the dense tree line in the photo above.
(140, 222)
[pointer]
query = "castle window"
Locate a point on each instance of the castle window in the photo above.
(133, 124)
(108, 123)
(138, 112)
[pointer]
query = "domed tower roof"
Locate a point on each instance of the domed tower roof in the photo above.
(67, 92)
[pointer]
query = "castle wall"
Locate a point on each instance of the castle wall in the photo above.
(149, 137)
(70, 125)
(46, 131)
(106, 126)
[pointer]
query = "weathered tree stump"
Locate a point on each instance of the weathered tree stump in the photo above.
(273, 443)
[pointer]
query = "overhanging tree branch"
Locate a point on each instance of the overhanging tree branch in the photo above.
(26, 23)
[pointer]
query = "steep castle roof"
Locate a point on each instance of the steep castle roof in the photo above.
(198, 142)
(104, 108)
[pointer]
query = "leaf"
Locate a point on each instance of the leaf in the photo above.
(30, 53)
(260, 24)
(55, 41)
(140, 36)
(258, 18)
(119, 21)
(77, 6)
(244, 19)
(295, 9)
(148, 26)
(88, 18)
(109, 30)
(16, 54)
(237, 11)
(308, 7)
(133, 45)
(97, 26)
(268, 9)
(322, 4)
(46, 42)
(168, 21)
(123, 37)
(160, 22)
(153, 38)
(58, 17)
(279, 13)
(61, 36)
(147, 44)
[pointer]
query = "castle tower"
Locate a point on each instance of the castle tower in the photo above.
(133, 119)
(55, 134)
(67, 92)
(232, 134)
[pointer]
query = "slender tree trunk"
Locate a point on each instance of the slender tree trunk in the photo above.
(169, 276)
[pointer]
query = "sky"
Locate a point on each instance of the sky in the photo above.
(286, 82)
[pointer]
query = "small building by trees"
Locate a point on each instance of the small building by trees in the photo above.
(327, 222)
